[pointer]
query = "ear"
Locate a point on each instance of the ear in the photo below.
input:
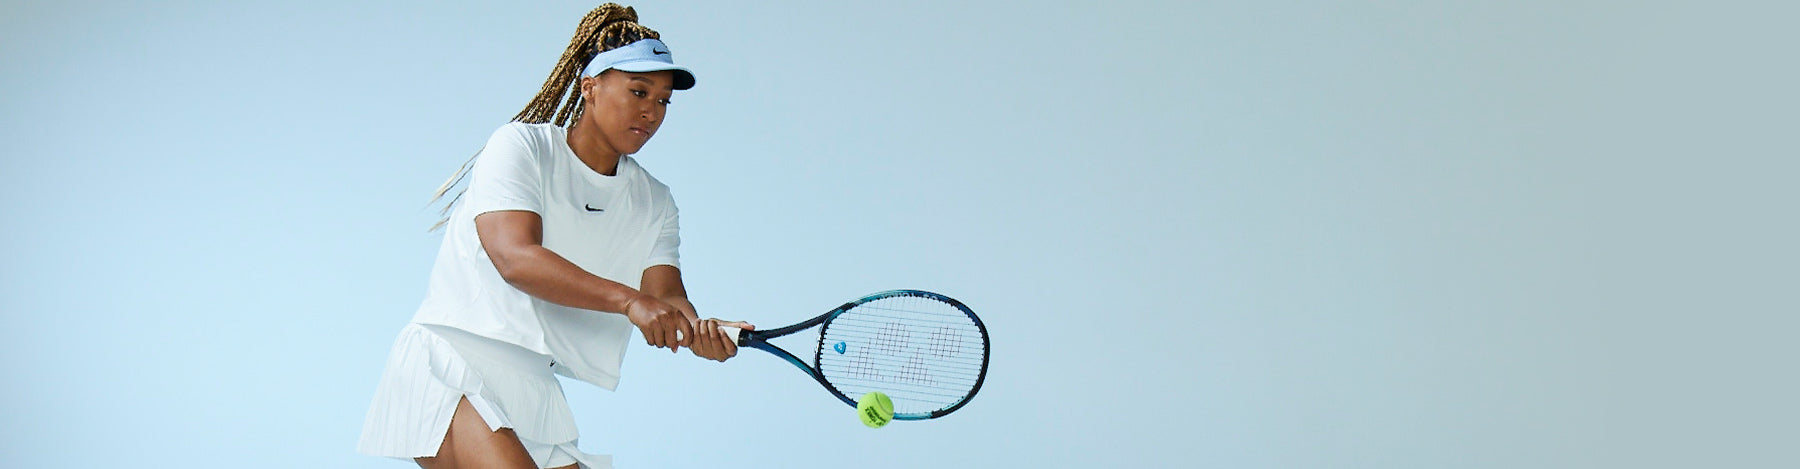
(587, 85)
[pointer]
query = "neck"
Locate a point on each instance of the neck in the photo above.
(593, 152)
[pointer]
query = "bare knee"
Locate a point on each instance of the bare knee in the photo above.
(470, 442)
(435, 462)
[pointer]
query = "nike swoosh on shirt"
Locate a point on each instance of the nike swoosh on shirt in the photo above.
(591, 208)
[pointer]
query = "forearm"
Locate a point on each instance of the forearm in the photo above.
(541, 273)
(664, 283)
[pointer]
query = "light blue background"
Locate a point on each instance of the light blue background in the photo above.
(1238, 234)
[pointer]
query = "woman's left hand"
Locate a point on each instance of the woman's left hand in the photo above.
(713, 344)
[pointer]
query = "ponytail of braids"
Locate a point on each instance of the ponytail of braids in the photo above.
(607, 27)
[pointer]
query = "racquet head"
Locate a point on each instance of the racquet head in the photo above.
(927, 352)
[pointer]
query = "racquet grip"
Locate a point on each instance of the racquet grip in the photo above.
(736, 335)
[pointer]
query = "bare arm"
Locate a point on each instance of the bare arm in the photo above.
(664, 283)
(514, 241)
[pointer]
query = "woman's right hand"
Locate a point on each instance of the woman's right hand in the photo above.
(662, 324)
(714, 344)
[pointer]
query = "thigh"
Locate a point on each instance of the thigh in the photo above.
(470, 444)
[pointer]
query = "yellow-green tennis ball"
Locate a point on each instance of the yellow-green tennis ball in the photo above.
(875, 409)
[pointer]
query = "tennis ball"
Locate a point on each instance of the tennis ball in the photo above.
(875, 409)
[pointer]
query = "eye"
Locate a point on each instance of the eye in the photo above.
(639, 93)
(666, 102)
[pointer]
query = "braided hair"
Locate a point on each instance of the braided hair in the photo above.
(607, 27)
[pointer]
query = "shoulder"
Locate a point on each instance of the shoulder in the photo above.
(658, 190)
(531, 133)
(519, 141)
(640, 175)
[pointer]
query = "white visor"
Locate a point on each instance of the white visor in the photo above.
(648, 55)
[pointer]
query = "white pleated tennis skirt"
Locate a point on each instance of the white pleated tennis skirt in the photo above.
(432, 367)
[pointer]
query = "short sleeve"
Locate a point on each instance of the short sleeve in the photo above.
(506, 175)
(667, 250)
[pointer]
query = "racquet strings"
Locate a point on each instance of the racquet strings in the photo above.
(926, 355)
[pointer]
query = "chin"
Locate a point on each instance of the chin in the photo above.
(629, 146)
(632, 150)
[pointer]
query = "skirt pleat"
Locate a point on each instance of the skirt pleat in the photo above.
(432, 367)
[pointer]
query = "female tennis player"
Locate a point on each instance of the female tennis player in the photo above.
(558, 247)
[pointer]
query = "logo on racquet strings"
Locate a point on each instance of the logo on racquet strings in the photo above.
(840, 347)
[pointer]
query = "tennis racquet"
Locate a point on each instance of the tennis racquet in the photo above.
(927, 352)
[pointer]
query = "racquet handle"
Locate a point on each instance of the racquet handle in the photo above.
(736, 335)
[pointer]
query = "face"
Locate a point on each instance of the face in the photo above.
(624, 109)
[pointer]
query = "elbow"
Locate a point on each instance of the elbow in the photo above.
(510, 266)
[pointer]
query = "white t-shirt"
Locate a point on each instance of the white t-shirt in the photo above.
(611, 226)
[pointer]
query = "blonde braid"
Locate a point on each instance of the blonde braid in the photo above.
(609, 26)
(606, 28)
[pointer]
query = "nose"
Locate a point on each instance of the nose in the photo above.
(651, 113)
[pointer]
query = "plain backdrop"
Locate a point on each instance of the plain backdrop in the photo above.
(1258, 234)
